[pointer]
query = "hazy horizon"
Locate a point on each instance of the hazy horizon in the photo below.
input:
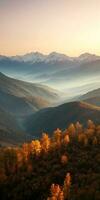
(35, 51)
(70, 27)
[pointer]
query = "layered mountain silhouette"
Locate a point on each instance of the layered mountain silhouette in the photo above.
(56, 70)
(27, 100)
(54, 56)
(19, 99)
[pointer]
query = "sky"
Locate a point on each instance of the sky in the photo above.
(71, 27)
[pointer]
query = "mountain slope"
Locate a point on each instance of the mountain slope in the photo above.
(91, 94)
(10, 132)
(49, 119)
(92, 97)
(19, 99)
(35, 96)
(93, 100)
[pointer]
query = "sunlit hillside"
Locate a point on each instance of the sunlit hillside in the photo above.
(64, 166)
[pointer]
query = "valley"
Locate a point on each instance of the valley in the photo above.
(39, 93)
(18, 100)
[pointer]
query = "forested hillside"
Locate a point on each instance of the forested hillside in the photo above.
(61, 116)
(63, 167)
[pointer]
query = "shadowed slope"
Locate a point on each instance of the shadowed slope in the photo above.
(49, 119)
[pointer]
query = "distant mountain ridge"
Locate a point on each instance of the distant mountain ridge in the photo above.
(55, 70)
(52, 57)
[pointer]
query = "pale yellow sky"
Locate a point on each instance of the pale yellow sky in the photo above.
(67, 26)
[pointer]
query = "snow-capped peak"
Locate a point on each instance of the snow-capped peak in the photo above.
(57, 57)
(53, 57)
(31, 57)
(39, 57)
(88, 57)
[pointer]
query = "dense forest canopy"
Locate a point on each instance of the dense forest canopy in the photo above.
(65, 166)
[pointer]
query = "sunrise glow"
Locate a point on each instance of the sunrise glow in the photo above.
(69, 27)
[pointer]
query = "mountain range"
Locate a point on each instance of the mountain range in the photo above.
(55, 70)
(54, 57)
(42, 92)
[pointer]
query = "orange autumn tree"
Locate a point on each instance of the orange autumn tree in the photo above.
(72, 130)
(79, 127)
(45, 142)
(61, 193)
(66, 187)
(57, 136)
(56, 193)
(35, 147)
